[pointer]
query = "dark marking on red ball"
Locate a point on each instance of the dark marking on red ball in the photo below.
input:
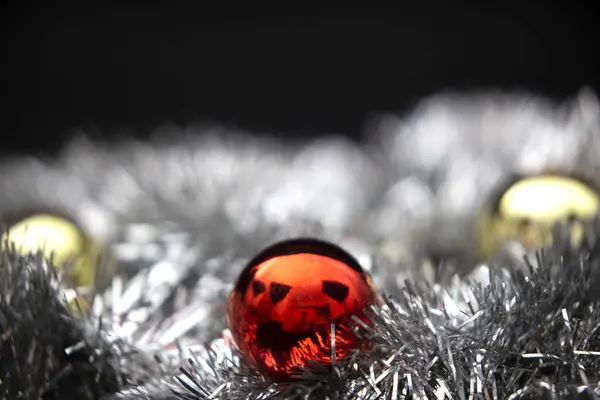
(278, 291)
(258, 287)
(336, 290)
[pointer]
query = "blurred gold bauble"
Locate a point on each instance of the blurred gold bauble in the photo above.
(62, 241)
(528, 208)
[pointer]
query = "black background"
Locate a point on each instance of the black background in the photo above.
(288, 71)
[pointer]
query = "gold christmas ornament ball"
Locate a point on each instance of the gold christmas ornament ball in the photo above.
(526, 210)
(62, 241)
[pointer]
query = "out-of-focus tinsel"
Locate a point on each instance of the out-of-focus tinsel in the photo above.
(180, 216)
(46, 351)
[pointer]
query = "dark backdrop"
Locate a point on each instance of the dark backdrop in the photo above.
(110, 67)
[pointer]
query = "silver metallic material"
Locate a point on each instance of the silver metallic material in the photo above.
(183, 213)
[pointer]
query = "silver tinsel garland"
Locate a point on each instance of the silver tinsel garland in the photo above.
(183, 213)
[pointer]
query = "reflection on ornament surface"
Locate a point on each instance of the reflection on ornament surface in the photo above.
(530, 206)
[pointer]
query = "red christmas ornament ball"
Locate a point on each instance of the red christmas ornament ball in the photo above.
(285, 300)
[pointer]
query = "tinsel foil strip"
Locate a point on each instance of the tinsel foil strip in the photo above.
(182, 214)
(46, 350)
(522, 334)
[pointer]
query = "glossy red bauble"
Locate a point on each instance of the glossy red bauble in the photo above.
(284, 302)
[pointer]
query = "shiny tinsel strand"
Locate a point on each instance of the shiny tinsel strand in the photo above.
(49, 348)
(532, 333)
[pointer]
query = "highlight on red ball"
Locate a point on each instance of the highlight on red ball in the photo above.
(285, 300)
